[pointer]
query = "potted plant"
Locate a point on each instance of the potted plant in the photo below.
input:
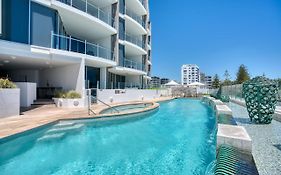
(261, 96)
(68, 99)
(10, 98)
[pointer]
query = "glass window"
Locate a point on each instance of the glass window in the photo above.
(15, 20)
(43, 22)
(121, 28)
(121, 54)
(122, 6)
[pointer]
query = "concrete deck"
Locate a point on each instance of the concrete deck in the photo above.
(49, 113)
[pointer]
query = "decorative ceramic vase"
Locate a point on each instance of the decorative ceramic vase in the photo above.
(260, 95)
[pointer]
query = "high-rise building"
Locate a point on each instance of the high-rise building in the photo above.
(164, 81)
(155, 82)
(76, 44)
(189, 74)
(208, 81)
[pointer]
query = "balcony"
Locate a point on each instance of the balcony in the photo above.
(95, 22)
(76, 46)
(88, 7)
(136, 17)
(135, 40)
(129, 67)
(134, 23)
(133, 65)
(139, 6)
(134, 45)
(126, 85)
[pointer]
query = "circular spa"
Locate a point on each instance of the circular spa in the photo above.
(128, 108)
(177, 138)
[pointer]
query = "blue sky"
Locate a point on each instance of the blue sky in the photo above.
(216, 35)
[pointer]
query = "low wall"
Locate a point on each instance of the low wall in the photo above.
(128, 95)
(233, 135)
(9, 102)
(27, 93)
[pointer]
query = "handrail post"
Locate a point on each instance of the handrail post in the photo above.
(51, 39)
(89, 101)
(69, 49)
(85, 49)
(86, 6)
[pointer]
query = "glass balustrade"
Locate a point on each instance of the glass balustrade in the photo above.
(133, 65)
(135, 40)
(91, 9)
(80, 46)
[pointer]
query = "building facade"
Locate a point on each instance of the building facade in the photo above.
(208, 81)
(76, 44)
(164, 81)
(189, 74)
(155, 82)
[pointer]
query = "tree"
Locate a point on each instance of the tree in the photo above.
(227, 80)
(216, 82)
(242, 74)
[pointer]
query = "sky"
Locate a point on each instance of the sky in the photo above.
(217, 35)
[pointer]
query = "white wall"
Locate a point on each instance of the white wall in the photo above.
(9, 102)
(70, 77)
(110, 95)
(27, 93)
(0, 17)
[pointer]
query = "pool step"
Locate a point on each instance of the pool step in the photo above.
(65, 128)
(62, 124)
(50, 137)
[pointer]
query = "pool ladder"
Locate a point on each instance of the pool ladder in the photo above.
(91, 97)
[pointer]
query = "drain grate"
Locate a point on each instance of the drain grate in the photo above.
(231, 161)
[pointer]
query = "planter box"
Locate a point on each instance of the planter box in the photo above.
(69, 103)
(9, 102)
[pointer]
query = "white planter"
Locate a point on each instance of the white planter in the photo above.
(9, 102)
(27, 93)
(69, 103)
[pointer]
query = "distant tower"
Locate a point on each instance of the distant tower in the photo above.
(189, 74)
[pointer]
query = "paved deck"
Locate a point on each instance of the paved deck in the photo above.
(266, 140)
(47, 114)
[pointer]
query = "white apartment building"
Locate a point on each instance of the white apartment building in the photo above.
(208, 81)
(76, 44)
(189, 74)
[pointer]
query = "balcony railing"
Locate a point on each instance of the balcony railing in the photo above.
(135, 16)
(133, 65)
(125, 85)
(135, 40)
(91, 9)
(80, 46)
(143, 3)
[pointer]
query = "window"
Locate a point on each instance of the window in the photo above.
(43, 22)
(121, 29)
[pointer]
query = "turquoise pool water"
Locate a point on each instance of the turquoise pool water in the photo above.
(176, 139)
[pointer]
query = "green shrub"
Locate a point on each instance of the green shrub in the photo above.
(73, 94)
(67, 94)
(60, 94)
(6, 84)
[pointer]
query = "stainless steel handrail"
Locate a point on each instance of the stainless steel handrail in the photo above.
(110, 107)
(90, 97)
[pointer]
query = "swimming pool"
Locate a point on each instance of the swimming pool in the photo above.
(176, 139)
